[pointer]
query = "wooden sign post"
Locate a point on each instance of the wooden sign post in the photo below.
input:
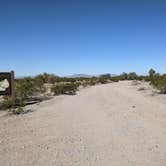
(7, 85)
(13, 97)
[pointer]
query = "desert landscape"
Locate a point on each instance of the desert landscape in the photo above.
(119, 123)
(83, 83)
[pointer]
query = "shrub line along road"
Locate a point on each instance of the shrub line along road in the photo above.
(104, 125)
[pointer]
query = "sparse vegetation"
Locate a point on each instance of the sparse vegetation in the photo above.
(103, 79)
(29, 89)
(158, 81)
(25, 88)
(65, 88)
(7, 103)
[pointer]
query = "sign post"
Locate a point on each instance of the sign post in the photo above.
(7, 85)
(12, 87)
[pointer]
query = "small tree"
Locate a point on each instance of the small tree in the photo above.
(132, 76)
(152, 72)
(104, 78)
(124, 76)
(39, 83)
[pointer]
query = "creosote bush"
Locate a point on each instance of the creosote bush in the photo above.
(14, 107)
(7, 103)
(25, 88)
(158, 81)
(67, 89)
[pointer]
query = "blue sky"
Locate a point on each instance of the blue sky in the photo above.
(82, 36)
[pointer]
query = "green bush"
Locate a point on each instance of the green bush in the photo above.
(87, 83)
(115, 79)
(103, 79)
(7, 103)
(25, 88)
(132, 76)
(28, 87)
(92, 82)
(14, 107)
(68, 89)
(158, 81)
(39, 83)
(84, 84)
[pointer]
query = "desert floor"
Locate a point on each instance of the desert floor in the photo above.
(106, 125)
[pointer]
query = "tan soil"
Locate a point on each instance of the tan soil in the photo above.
(105, 125)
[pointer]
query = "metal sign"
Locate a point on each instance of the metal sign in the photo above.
(6, 83)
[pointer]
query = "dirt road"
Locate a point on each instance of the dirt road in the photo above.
(105, 125)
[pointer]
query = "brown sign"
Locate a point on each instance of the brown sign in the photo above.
(5, 83)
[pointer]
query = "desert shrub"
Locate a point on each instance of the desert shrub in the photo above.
(48, 78)
(115, 79)
(146, 78)
(14, 107)
(78, 84)
(158, 81)
(123, 76)
(132, 76)
(85, 84)
(103, 79)
(39, 84)
(68, 88)
(25, 88)
(106, 76)
(92, 82)
(70, 80)
(7, 103)
(143, 78)
(28, 87)
(161, 84)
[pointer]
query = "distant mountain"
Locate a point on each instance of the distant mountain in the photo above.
(80, 75)
(88, 76)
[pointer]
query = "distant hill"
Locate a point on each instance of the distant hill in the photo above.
(80, 75)
(88, 76)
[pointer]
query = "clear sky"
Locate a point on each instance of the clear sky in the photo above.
(82, 36)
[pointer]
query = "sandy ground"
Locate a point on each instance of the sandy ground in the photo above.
(105, 125)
